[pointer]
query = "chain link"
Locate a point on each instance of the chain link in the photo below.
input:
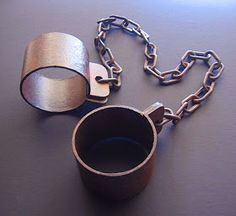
(191, 103)
(105, 53)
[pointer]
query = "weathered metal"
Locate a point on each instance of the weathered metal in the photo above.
(90, 81)
(117, 121)
(192, 102)
(65, 53)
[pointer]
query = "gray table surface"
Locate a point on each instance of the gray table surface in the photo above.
(195, 172)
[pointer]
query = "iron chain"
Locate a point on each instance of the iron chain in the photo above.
(190, 103)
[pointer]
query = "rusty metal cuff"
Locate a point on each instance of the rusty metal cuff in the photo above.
(67, 89)
(109, 123)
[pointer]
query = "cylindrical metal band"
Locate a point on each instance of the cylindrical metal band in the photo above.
(109, 123)
(63, 52)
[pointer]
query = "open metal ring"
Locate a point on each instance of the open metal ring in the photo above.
(46, 89)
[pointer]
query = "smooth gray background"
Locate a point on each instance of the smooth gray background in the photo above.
(195, 171)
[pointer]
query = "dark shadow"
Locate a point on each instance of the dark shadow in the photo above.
(78, 112)
(108, 206)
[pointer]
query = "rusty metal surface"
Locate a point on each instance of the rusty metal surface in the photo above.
(99, 92)
(117, 121)
(55, 50)
(188, 105)
(194, 171)
(155, 112)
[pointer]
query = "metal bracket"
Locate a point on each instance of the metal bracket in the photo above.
(156, 113)
(99, 92)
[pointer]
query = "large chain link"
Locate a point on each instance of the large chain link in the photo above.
(190, 103)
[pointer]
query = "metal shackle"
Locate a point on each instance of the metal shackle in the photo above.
(110, 123)
(65, 54)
